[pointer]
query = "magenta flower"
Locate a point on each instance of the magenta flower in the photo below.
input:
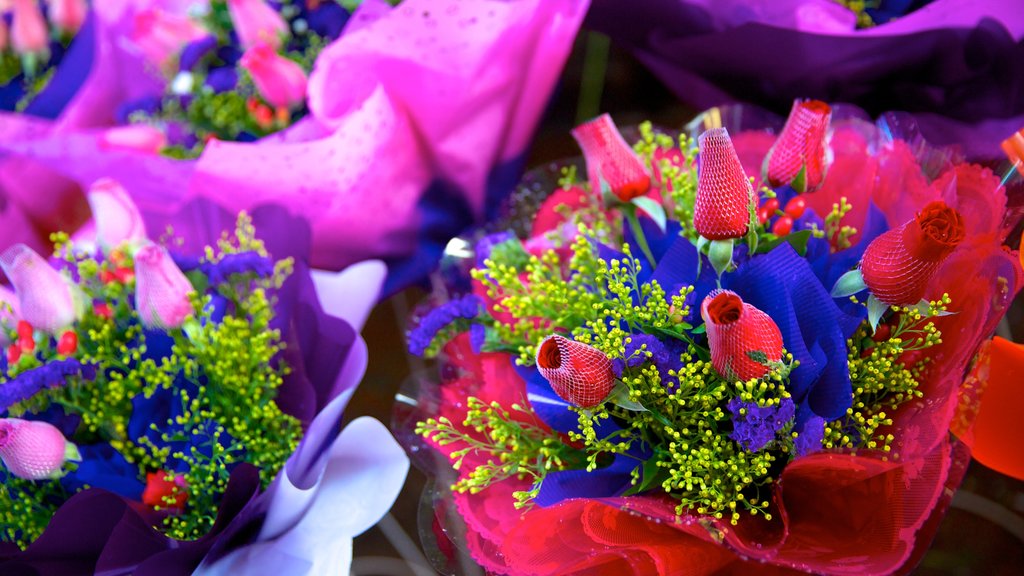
(161, 289)
(160, 34)
(32, 449)
(46, 299)
(29, 34)
(256, 22)
(116, 216)
(280, 81)
(67, 15)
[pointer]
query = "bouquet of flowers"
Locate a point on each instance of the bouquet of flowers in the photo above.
(950, 62)
(418, 114)
(675, 368)
(169, 404)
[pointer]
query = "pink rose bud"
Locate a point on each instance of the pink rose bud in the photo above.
(611, 158)
(138, 137)
(3, 35)
(29, 34)
(280, 81)
(67, 15)
(578, 373)
(31, 449)
(45, 297)
(742, 338)
(161, 35)
(161, 289)
(116, 216)
(257, 22)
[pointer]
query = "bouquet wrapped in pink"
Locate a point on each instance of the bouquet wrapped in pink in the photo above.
(670, 368)
(953, 63)
(389, 139)
(172, 414)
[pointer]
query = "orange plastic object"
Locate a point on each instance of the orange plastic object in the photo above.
(1014, 149)
(997, 428)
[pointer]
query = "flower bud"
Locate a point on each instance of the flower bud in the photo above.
(724, 194)
(160, 35)
(116, 216)
(138, 137)
(898, 265)
(257, 22)
(67, 15)
(31, 449)
(743, 339)
(799, 155)
(4, 40)
(29, 34)
(578, 373)
(161, 289)
(611, 159)
(158, 488)
(280, 81)
(46, 299)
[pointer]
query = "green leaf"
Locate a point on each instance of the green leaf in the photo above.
(758, 356)
(650, 475)
(799, 182)
(699, 329)
(620, 397)
(876, 308)
(720, 254)
(797, 239)
(848, 284)
(652, 209)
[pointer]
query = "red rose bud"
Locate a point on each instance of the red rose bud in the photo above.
(103, 310)
(724, 194)
(13, 353)
(68, 343)
(32, 449)
(742, 338)
(898, 265)
(610, 158)
(578, 373)
(158, 487)
(801, 147)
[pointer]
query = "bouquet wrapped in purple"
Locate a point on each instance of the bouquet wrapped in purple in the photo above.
(953, 63)
(166, 413)
(417, 115)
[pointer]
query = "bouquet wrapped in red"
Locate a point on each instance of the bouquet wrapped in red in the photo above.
(719, 354)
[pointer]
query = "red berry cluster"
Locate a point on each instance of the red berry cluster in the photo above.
(783, 223)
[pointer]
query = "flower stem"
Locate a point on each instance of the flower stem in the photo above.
(638, 233)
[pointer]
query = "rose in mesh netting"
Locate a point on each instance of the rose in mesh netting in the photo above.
(898, 265)
(801, 147)
(611, 159)
(724, 194)
(743, 339)
(578, 373)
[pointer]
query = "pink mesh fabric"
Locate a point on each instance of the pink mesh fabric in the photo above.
(117, 218)
(801, 145)
(724, 193)
(46, 299)
(609, 157)
(161, 290)
(31, 449)
(580, 374)
(737, 333)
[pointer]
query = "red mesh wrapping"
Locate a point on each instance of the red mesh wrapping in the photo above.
(724, 193)
(580, 374)
(898, 265)
(801, 145)
(609, 157)
(737, 330)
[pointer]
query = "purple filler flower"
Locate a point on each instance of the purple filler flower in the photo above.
(465, 308)
(49, 375)
(755, 426)
(810, 436)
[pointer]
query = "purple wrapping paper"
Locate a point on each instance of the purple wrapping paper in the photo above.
(420, 119)
(957, 64)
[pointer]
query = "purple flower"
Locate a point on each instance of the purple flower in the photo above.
(50, 375)
(222, 79)
(755, 426)
(465, 308)
(810, 436)
(195, 50)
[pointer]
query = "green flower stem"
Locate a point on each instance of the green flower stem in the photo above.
(638, 233)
